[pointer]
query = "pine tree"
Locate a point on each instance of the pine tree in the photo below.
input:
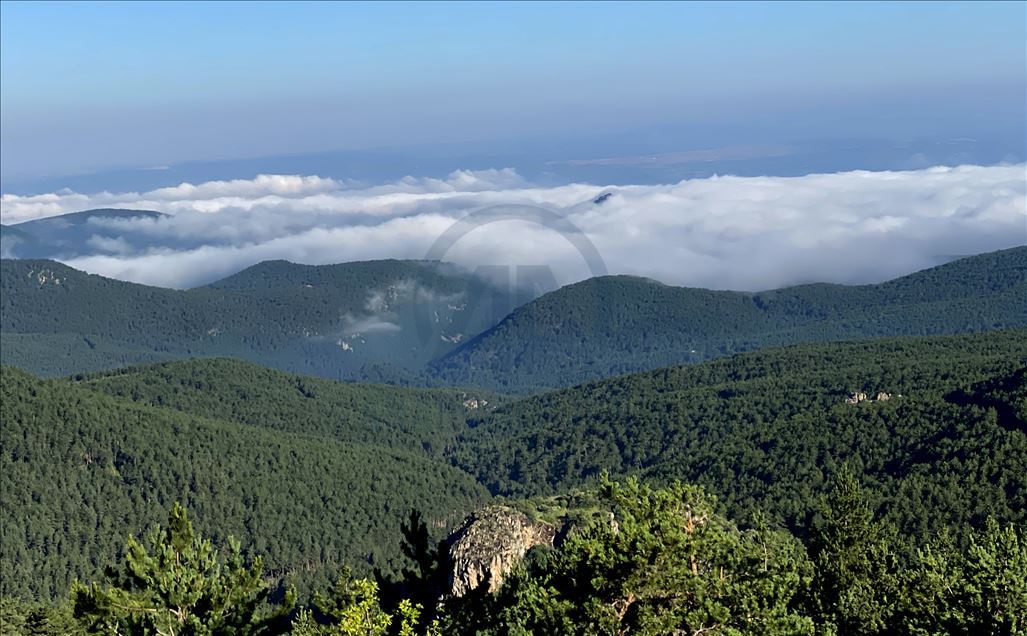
(353, 608)
(855, 584)
(178, 585)
(979, 590)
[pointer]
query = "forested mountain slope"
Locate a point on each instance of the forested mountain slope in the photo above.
(414, 322)
(316, 474)
(765, 429)
(620, 324)
(237, 391)
(82, 470)
(380, 319)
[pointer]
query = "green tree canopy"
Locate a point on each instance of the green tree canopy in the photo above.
(179, 585)
(662, 562)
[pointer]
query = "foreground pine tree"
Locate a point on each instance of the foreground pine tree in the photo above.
(179, 585)
(354, 609)
(856, 584)
(980, 590)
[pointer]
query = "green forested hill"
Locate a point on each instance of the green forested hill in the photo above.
(314, 473)
(340, 321)
(59, 354)
(82, 469)
(233, 390)
(412, 322)
(766, 429)
(620, 324)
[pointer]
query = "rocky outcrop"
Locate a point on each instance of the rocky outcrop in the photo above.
(489, 544)
(472, 403)
(45, 277)
(858, 396)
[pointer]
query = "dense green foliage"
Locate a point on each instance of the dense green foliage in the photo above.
(18, 618)
(54, 355)
(654, 561)
(856, 571)
(765, 430)
(662, 561)
(319, 477)
(178, 584)
(82, 469)
(665, 562)
(658, 561)
(354, 608)
(620, 324)
(400, 322)
(396, 417)
(354, 320)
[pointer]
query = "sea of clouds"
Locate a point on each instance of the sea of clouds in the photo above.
(726, 232)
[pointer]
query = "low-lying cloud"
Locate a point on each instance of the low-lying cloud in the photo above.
(746, 233)
(381, 309)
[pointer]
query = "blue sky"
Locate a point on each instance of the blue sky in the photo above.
(87, 87)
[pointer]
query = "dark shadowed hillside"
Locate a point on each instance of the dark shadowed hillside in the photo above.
(380, 319)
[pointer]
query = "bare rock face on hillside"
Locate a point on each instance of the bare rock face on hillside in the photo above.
(856, 397)
(489, 544)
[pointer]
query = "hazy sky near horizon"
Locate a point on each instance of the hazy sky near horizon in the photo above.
(91, 86)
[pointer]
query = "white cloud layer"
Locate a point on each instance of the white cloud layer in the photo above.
(746, 233)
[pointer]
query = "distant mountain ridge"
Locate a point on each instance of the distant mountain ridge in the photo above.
(13, 240)
(83, 216)
(344, 321)
(102, 230)
(368, 320)
(621, 324)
